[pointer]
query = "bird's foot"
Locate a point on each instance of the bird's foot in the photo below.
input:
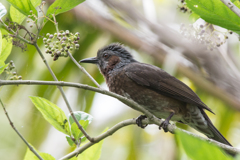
(164, 125)
(139, 121)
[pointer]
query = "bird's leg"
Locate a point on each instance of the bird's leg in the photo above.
(165, 124)
(139, 121)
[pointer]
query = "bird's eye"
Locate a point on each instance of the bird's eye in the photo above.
(105, 55)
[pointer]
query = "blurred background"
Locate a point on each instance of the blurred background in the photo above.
(154, 31)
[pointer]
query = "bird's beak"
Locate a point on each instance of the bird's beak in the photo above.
(93, 60)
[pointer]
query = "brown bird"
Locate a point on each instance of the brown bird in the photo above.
(157, 91)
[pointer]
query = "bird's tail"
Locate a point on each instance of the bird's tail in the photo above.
(213, 133)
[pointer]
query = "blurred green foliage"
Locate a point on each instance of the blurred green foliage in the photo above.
(198, 149)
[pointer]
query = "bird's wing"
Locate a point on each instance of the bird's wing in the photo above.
(160, 81)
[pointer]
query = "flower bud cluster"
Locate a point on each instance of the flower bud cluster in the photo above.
(32, 17)
(204, 34)
(59, 44)
(10, 71)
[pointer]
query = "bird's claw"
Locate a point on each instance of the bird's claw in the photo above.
(139, 121)
(164, 125)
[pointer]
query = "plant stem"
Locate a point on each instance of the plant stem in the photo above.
(55, 23)
(19, 134)
(15, 34)
(63, 94)
(83, 70)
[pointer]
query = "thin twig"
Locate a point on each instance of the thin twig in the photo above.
(83, 70)
(63, 94)
(231, 6)
(55, 23)
(44, 16)
(15, 34)
(19, 134)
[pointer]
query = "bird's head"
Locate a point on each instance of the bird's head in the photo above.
(110, 57)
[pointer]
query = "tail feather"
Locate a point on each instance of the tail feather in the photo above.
(200, 121)
(216, 135)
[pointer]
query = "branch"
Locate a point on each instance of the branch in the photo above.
(171, 128)
(19, 134)
(63, 94)
(231, 6)
(108, 133)
(104, 135)
(83, 70)
(151, 118)
(126, 101)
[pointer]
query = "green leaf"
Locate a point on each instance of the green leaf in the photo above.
(215, 12)
(36, 3)
(52, 113)
(70, 141)
(198, 149)
(80, 116)
(92, 153)
(6, 47)
(62, 6)
(31, 156)
(84, 119)
(23, 6)
(3, 10)
(76, 131)
(47, 156)
(17, 16)
(2, 66)
(6, 50)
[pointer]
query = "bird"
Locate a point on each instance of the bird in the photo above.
(160, 93)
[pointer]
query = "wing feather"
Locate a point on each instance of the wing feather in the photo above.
(160, 81)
